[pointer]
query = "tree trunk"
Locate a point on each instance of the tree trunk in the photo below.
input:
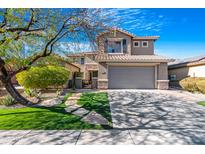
(15, 94)
(6, 80)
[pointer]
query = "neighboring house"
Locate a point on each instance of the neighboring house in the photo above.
(190, 67)
(123, 61)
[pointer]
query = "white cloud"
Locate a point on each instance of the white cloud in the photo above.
(73, 47)
(140, 20)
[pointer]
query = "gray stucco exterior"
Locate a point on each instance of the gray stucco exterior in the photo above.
(133, 67)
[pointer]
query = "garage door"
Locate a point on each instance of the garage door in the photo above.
(131, 77)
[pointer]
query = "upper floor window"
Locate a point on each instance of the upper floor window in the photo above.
(82, 61)
(145, 44)
(115, 46)
(136, 43)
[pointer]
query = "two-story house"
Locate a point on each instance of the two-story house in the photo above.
(123, 61)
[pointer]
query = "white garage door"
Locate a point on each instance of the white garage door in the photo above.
(128, 77)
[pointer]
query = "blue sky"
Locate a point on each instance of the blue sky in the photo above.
(181, 31)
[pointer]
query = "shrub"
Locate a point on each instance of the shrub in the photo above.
(201, 86)
(32, 92)
(191, 84)
(8, 100)
(43, 77)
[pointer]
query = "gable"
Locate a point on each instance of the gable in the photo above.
(115, 33)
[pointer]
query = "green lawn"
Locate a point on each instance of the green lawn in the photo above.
(202, 103)
(45, 118)
(97, 102)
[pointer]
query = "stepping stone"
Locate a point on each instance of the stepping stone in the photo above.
(72, 108)
(35, 100)
(80, 112)
(51, 102)
(73, 98)
(71, 102)
(95, 118)
(77, 94)
(61, 97)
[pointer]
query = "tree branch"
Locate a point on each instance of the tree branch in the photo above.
(21, 29)
(50, 43)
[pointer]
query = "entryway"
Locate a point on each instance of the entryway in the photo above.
(91, 83)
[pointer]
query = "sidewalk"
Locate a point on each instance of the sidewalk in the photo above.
(59, 137)
(101, 137)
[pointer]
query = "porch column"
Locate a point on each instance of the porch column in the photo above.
(103, 76)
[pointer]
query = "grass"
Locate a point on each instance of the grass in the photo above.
(42, 118)
(97, 102)
(202, 103)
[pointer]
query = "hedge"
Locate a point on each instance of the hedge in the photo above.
(193, 84)
(43, 77)
(201, 86)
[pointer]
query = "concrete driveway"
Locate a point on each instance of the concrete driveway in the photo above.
(159, 117)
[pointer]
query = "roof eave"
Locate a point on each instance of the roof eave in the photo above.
(147, 38)
(136, 61)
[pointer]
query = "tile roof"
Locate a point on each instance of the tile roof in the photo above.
(146, 37)
(131, 58)
(135, 37)
(117, 29)
(199, 60)
(82, 54)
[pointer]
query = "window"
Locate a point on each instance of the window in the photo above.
(95, 74)
(115, 47)
(172, 77)
(82, 61)
(136, 43)
(124, 41)
(144, 43)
